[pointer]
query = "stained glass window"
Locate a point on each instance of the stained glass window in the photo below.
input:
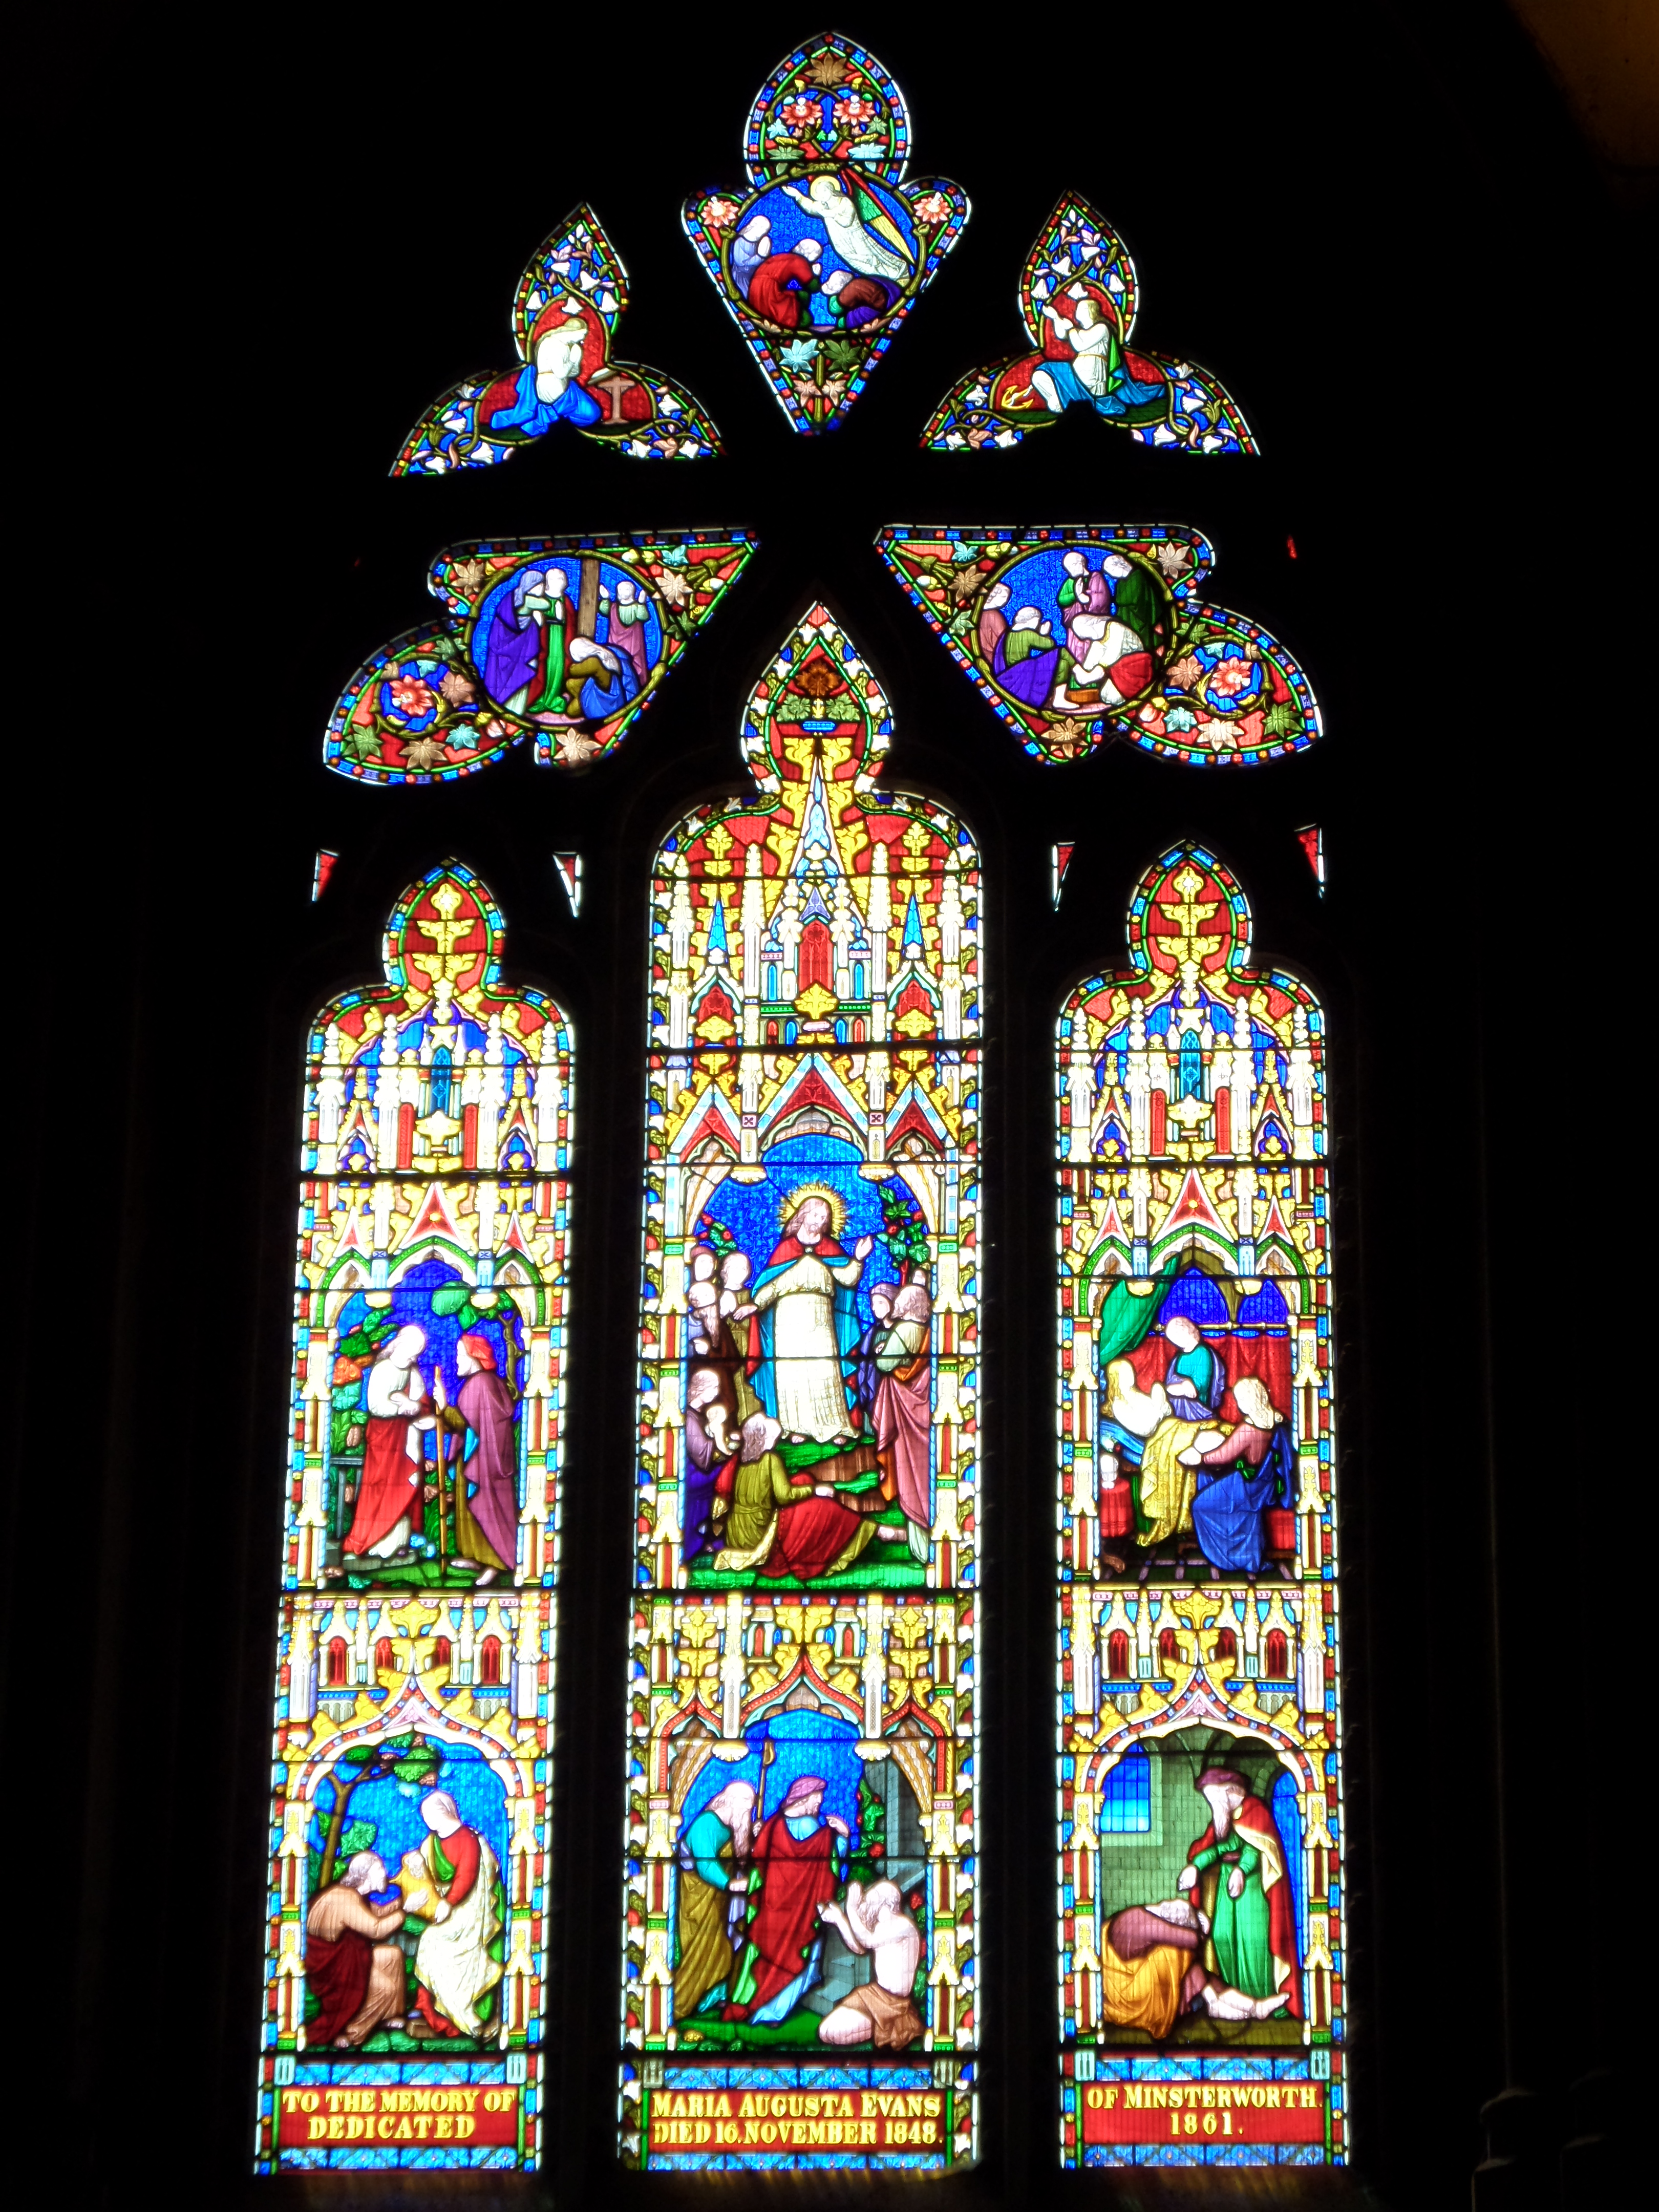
(1078, 298)
(801, 1980)
(824, 251)
(1077, 634)
(565, 312)
(1202, 1947)
(409, 1823)
(564, 640)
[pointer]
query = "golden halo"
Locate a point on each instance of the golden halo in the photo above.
(791, 1203)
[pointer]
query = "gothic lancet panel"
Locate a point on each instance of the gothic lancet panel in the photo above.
(1078, 297)
(1202, 1953)
(801, 1954)
(565, 311)
(407, 1937)
(1077, 634)
(564, 640)
(824, 252)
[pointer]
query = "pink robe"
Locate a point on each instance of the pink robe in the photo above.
(904, 1429)
(486, 1405)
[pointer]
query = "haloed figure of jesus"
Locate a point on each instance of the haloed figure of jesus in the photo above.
(809, 1328)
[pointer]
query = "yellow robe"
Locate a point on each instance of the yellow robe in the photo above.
(1167, 1488)
(1144, 1992)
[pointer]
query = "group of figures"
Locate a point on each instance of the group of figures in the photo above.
(416, 1955)
(819, 257)
(805, 1722)
(1077, 635)
(1176, 1478)
(824, 254)
(562, 640)
(1224, 1947)
(1074, 635)
(439, 1477)
(804, 1430)
(408, 1880)
(757, 1900)
(1198, 1562)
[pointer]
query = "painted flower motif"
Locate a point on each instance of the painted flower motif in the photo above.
(575, 747)
(1173, 560)
(1180, 717)
(424, 755)
(720, 214)
(458, 690)
(1187, 673)
(853, 110)
(932, 210)
(1219, 732)
(1230, 678)
(410, 698)
(799, 115)
(799, 353)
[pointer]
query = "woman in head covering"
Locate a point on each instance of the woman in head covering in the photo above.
(713, 1858)
(389, 1491)
(453, 1964)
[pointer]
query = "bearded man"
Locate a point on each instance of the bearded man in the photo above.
(1238, 1874)
(357, 1978)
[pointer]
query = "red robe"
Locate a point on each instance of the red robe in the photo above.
(798, 1876)
(770, 293)
(811, 1536)
(337, 1972)
(1255, 1825)
(390, 1486)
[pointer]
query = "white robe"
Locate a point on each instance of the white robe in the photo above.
(806, 1357)
(452, 1957)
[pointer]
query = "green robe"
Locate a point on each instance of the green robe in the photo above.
(758, 1490)
(1137, 603)
(549, 699)
(1239, 1925)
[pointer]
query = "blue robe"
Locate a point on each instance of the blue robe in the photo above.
(605, 694)
(1121, 396)
(1227, 1508)
(535, 416)
(1194, 1383)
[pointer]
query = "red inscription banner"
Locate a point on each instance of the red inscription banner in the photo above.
(1202, 2112)
(831, 2120)
(470, 2113)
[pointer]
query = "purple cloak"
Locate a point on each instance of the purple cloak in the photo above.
(486, 1406)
